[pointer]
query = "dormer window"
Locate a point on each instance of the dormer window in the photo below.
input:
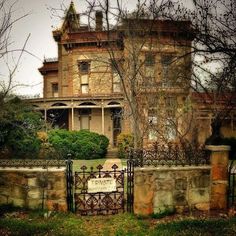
(84, 67)
(149, 59)
(55, 90)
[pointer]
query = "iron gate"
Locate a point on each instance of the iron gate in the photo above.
(232, 184)
(82, 200)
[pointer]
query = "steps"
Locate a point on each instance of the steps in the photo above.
(112, 153)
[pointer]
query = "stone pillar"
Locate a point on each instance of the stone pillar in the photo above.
(219, 176)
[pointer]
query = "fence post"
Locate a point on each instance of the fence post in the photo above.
(130, 185)
(69, 183)
(219, 159)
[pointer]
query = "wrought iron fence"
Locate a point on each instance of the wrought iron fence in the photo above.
(99, 202)
(232, 184)
(169, 156)
(30, 163)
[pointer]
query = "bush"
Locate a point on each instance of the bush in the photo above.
(124, 141)
(19, 125)
(80, 144)
(22, 145)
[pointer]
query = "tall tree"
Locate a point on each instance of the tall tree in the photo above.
(135, 43)
(214, 52)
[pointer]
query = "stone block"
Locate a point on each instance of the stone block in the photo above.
(18, 191)
(59, 184)
(219, 188)
(204, 206)
(180, 198)
(218, 202)
(4, 199)
(62, 206)
(139, 179)
(163, 200)
(162, 184)
(32, 181)
(17, 202)
(143, 194)
(219, 172)
(219, 158)
(56, 194)
(198, 195)
(143, 199)
(164, 175)
(35, 194)
(200, 181)
(35, 203)
(56, 206)
(181, 184)
(143, 209)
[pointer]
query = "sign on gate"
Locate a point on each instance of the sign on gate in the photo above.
(101, 185)
(98, 192)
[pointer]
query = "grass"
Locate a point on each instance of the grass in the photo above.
(34, 223)
(77, 164)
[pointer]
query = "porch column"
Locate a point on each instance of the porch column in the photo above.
(72, 116)
(45, 114)
(103, 120)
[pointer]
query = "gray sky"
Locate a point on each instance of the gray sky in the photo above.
(39, 24)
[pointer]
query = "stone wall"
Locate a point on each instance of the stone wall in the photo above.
(34, 188)
(179, 188)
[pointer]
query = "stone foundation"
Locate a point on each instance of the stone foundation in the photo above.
(179, 188)
(34, 188)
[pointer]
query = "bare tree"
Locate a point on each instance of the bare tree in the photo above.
(9, 56)
(133, 54)
(213, 51)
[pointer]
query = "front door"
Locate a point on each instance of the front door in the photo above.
(116, 117)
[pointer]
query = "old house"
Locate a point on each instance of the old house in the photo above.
(92, 83)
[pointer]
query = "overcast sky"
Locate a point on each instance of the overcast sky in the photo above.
(39, 25)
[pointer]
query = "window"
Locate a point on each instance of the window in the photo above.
(170, 106)
(170, 129)
(85, 119)
(84, 122)
(170, 122)
(84, 67)
(84, 84)
(166, 62)
(55, 89)
(152, 120)
(149, 59)
(116, 84)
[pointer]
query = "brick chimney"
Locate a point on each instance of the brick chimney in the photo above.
(98, 17)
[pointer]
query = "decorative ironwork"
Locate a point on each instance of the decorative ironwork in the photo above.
(69, 183)
(130, 186)
(102, 203)
(30, 163)
(169, 156)
(232, 184)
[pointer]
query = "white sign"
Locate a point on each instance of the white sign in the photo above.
(101, 185)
